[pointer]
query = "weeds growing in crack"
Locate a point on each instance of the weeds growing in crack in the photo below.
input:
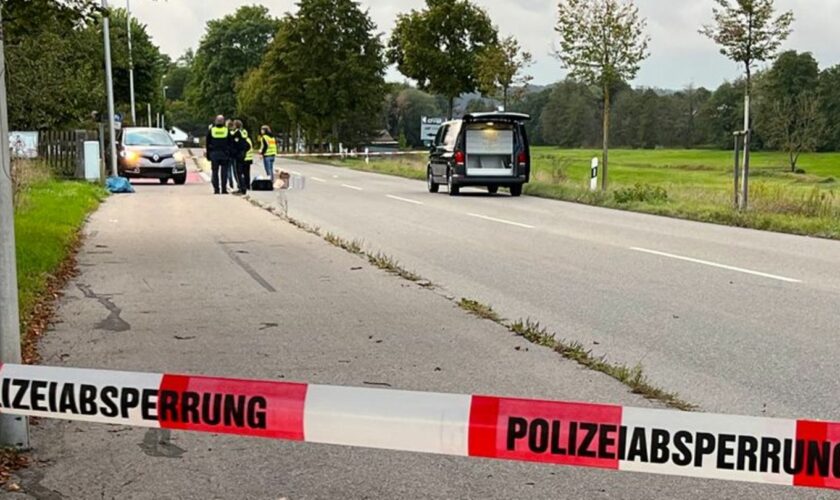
(387, 263)
(354, 247)
(478, 309)
(634, 377)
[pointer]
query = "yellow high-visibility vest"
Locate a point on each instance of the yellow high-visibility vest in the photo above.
(271, 150)
(249, 156)
(219, 132)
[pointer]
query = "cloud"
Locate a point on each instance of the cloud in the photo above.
(679, 54)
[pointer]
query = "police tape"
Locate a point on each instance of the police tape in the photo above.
(352, 154)
(753, 449)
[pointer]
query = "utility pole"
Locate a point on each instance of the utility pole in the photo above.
(130, 63)
(14, 430)
(149, 111)
(109, 84)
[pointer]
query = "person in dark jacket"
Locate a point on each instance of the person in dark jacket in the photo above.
(242, 147)
(219, 147)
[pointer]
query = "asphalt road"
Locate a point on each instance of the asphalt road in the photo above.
(174, 279)
(735, 320)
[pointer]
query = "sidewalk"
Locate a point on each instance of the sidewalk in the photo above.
(174, 279)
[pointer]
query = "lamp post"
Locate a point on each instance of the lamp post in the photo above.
(130, 62)
(163, 114)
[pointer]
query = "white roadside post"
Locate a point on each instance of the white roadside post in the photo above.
(14, 430)
(367, 156)
(593, 180)
(109, 84)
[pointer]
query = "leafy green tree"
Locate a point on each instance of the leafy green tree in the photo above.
(54, 73)
(178, 76)
(533, 104)
(720, 116)
(829, 105)
(789, 105)
(748, 32)
(231, 46)
(325, 71)
(602, 43)
(411, 105)
(570, 117)
(438, 47)
(500, 70)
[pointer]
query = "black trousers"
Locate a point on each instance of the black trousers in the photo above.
(220, 168)
(243, 172)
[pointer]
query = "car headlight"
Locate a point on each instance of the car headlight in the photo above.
(130, 156)
(179, 157)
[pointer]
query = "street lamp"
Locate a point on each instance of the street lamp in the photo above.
(130, 62)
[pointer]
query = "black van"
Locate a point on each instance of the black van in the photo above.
(482, 149)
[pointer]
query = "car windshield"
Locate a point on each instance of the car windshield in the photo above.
(151, 137)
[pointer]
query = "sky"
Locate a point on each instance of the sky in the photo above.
(679, 55)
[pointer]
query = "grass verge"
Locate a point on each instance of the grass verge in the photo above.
(47, 224)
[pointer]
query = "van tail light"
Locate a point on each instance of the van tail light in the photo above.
(460, 158)
(522, 159)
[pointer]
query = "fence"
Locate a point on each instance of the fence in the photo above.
(63, 151)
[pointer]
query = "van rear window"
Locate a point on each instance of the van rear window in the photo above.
(490, 139)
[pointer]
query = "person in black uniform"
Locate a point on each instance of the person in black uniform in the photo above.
(241, 147)
(219, 148)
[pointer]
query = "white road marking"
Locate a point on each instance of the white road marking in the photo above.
(317, 179)
(715, 264)
(404, 199)
(296, 173)
(355, 188)
(502, 221)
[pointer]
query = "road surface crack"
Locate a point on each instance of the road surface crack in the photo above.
(113, 323)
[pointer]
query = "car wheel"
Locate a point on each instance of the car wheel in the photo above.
(180, 179)
(492, 189)
(163, 180)
(516, 190)
(433, 186)
(454, 189)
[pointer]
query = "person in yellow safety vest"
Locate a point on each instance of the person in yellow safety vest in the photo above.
(268, 150)
(246, 160)
(219, 145)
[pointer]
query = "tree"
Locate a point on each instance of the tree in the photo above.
(325, 71)
(748, 32)
(570, 116)
(409, 107)
(230, 47)
(829, 93)
(53, 65)
(789, 104)
(500, 68)
(602, 42)
(438, 47)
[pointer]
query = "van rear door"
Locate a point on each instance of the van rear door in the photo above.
(489, 148)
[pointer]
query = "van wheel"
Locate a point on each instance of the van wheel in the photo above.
(516, 190)
(180, 179)
(492, 189)
(454, 189)
(433, 186)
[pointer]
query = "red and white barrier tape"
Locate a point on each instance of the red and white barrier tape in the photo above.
(761, 450)
(360, 155)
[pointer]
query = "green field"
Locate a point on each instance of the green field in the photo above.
(47, 221)
(690, 184)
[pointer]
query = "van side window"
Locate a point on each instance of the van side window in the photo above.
(452, 135)
(440, 135)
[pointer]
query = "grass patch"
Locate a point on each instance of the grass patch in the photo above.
(632, 377)
(478, 309)
(387, 263)
(47, 224)
(354, 247)
(686, 184)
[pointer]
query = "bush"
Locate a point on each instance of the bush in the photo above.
(640, 193)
